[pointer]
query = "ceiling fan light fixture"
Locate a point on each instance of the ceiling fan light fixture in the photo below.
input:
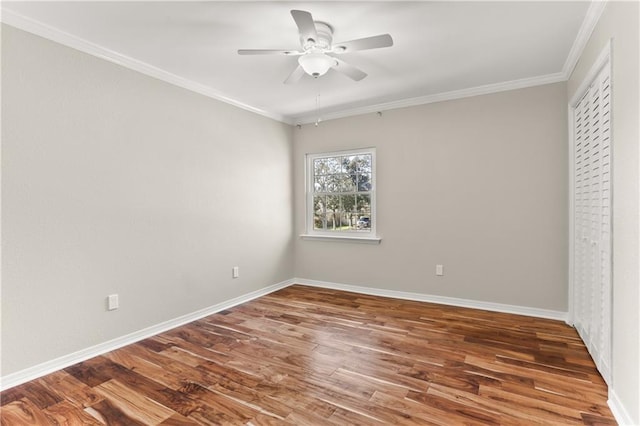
(316, 63)
(316, 40)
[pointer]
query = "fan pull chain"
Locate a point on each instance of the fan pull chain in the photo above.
(318, 120)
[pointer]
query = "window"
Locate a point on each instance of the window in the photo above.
(341, 195)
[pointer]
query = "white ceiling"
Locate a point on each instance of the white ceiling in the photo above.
(441, 49)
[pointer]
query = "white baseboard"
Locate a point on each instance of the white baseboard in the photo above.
(65, 361)
(31, 373)
(443, 300)
(620, 413)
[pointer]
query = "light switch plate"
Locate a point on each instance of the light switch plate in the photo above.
(112, 302)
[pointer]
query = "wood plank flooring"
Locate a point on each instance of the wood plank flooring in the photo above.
(310, 356)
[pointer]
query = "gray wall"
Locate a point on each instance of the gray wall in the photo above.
(478, 185)
(620, 22)
(114, 182)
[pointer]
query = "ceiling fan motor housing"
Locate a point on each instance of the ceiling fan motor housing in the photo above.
(325, 37)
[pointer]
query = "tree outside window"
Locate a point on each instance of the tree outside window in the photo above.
(341, 192)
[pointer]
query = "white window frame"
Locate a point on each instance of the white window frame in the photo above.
(370, 237)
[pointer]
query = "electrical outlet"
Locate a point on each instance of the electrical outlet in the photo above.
(236, 272)
(439, 270)
(112, 302)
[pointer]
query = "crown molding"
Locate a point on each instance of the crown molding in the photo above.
(54, 34)
(586, 29)
(437, 97)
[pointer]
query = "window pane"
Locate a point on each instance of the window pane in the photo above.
(363, 206)
(320, 166)
(320, 184)
(333, 183)
(333, 165)
(364, 182)
(333, 212)
(350, 212)
(347, 163)
(364, 163)
(364, 203)
(359, 163)
(319, 213)
(358, 168)
(350, 167)
(345, 183)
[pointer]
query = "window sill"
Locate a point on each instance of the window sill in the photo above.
(342, 238)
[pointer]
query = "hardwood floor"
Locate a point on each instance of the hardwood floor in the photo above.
(320, 357)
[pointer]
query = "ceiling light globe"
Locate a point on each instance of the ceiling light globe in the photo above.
(316, 63)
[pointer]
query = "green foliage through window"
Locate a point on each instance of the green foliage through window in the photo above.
(342, 192)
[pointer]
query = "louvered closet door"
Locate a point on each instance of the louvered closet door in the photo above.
(592, 220)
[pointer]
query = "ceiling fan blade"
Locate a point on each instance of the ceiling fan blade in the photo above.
(268, 52)
(375, 42)
(305, 24)
(349, 70)
(295, 76)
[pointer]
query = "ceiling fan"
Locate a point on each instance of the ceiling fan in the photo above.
(316, 39)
